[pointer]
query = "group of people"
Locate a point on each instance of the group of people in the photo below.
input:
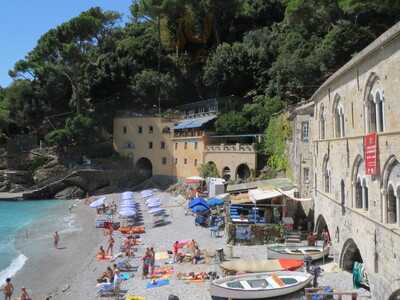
(149, 259)
(128, 245)
(109, 275)
(8, 291)
(110, 246)
(312, 238)
(194, 249)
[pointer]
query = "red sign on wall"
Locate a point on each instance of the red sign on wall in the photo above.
(371, 154)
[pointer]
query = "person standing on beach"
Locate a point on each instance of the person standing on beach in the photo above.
(146, 263)
(24, 294)
(110, 246)
(8, 289)
(152, 260)
(56, 239)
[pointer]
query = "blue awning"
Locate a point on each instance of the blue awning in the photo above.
(194, 123)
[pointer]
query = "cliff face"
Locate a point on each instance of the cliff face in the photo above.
(42, 174)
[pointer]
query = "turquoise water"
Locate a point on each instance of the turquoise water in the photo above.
(14, 216)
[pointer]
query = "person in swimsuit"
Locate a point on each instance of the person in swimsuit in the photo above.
(8, 289)
(175, 249)
(110, 245)
(56, 238)
(24, 294)
(101, 254)
(152, 260)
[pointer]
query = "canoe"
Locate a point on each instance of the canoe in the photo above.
(261, 265)
(296, 252)
(259, 285)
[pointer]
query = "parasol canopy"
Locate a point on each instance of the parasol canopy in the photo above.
(199, 209)
(198, 202)
(127, 195)
(215, 202)
(98, 202)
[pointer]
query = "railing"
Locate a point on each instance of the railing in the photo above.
(231, 148)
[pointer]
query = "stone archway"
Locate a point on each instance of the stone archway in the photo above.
(320, 225)
(395, 295)
(145, 167)
(243, 172)
(350, 254)
(226, 173)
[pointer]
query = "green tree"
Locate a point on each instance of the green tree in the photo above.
(208, 170)
(231, 123)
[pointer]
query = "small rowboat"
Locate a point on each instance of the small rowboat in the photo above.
(261, 265)
(259, 285)
(296, 252)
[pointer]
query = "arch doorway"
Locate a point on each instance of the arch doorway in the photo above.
(243, 172)
(395, 295)
(320, 225)
(145, 167)
(226, 173)
(350, 254)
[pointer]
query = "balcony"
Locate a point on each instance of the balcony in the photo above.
(248, 148)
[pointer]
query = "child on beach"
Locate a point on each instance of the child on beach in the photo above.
(24, 294)
(146, 263)
(110, 245)
(8, 289)
(101, 254)
(56, 239)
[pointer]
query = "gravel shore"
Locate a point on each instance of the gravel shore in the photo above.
(71, 273)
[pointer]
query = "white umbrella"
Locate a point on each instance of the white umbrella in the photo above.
(127, 202)
(127, 195)
(146, 193)
(153, 205)
(98, 202)
(152, 199)
(156, 210)
(127, 213)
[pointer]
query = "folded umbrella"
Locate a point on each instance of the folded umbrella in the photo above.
(98, 202)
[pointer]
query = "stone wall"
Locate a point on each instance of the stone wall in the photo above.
(364, 96)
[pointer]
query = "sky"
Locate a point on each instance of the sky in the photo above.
(23, 22)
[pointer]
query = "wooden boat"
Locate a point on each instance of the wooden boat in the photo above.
(261, 265)
(259, 285)
(296, 252)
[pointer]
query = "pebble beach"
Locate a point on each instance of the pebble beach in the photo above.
(71, 272)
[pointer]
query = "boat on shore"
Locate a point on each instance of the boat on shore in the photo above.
(261, 265)
(296, 252)
(259, 285)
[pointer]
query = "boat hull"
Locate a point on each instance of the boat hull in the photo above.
(272, 254)
(217, 291)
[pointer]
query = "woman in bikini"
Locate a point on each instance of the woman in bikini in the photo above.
(8, 289)
(110, 245)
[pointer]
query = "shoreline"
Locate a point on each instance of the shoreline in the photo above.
(48, 271)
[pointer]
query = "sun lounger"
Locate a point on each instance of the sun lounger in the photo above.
(157, 283)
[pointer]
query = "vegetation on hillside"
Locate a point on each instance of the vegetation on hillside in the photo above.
(270, 53)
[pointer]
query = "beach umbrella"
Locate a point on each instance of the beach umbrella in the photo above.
(215, 202)
(153, 205)
(127, 195)
(152, 199)
(124, 202)
(198, 201)
(153, 202)
(199, 209)
(98, 202)
(127, 213)
(156, 210)
(146, 193)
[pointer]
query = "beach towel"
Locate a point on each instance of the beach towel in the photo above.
(124, 276)
(134, 297)
(105, 258)
(161, 255)
(157, 283)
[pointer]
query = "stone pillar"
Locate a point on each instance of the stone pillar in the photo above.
(364, 198)
(398, 209)
(384, 207)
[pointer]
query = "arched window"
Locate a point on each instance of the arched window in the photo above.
(342, 196)
(360, 184)
(374, 105)
(338, 113)
(326, 175)
(391, 186)
(322, 123)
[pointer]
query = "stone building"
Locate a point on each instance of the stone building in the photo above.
(356, 152)
(176, 146)
(300, 153)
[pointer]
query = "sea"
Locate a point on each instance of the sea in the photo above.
(21, 219)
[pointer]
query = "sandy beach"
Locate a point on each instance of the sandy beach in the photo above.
(71, 272)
